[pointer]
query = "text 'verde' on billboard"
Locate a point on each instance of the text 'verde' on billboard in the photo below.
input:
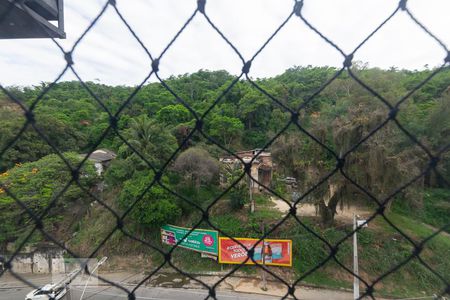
(271, 252)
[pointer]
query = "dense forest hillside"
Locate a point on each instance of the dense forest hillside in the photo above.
(155, 121)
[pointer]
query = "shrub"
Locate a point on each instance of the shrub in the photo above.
(118, 172)
(36, 184)
(156, 207)
(238, 196)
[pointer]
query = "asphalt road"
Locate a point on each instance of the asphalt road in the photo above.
(11, 289)
(105, 293)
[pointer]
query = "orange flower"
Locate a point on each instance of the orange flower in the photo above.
(315, 114)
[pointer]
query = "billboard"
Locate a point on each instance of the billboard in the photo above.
(276, 252)
(200, 240)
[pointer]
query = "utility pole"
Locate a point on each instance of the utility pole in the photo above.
(250, 193)
(263, 257)
(250, 186)
(356, 224)
(355, 261)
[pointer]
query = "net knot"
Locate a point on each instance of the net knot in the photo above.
(334, 250)
(293, 211)
(402, 4)
(199, 125)
(113, 121)
(340, 163)
(158, 176)
(434, 161)
(246, 67)
(348, 61)
(112, 2)
(291, 290)
(68, 58)
(30, 116)
(75, 174)
(369, 290)
(417, 250)
(119, 224)
(294, 117)
(131, 296)
(393, 113)
(447, 58)
(298, 8)
(201, 6)
(39, 224)
(251, 253)
(167, 256)
(155, 65)
(247, 167)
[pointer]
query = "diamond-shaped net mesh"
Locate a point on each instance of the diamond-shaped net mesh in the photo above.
(342, 160)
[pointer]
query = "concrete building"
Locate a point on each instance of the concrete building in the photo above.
(261, 170)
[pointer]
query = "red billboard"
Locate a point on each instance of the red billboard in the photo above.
(275, 252)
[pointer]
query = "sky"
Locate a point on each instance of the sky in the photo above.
(109, 54)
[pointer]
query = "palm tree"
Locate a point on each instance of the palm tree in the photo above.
(151, 140)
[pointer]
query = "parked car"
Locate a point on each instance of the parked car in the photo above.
(290, 180)
(48, 291)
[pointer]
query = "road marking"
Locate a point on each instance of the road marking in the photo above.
(123, 296)
(184, 291)
(221, 295)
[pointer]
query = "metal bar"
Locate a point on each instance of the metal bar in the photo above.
(263, 257)
(48, 9)
(61, 17)
(355, 261)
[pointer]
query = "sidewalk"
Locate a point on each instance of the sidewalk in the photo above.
(253, 286)
(246, 285)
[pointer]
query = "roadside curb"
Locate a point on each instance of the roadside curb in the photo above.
(243, 276)
(14, 287)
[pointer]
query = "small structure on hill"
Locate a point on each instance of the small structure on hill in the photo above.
(261, 170)
(101, 158)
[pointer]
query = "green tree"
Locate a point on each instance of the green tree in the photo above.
(238, 195)
(36, 184)
(227, 130)
(174, 114)
(31, 146)
(151, 139)
(155, 208)
(254, 108)
(196, 166)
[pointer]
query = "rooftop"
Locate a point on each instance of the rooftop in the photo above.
(102, 155)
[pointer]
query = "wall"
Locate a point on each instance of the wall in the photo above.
(42, 261)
